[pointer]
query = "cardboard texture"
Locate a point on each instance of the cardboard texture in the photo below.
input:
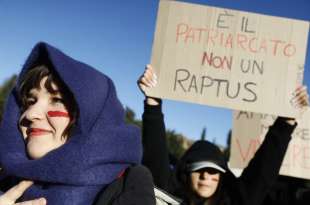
(249, 130)
(228, 58)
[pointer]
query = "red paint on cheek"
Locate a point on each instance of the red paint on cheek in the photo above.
(57, 114)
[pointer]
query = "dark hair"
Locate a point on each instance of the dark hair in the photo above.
(32, 80)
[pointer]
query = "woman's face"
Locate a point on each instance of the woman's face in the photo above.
(44, 120)
(204, 182)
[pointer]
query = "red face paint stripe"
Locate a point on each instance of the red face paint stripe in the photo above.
(57, 114)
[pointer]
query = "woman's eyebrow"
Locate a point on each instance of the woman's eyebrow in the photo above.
(31, 93)
(56, 93)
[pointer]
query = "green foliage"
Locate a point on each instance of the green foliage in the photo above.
(228, 145)
(130, 117)
(4, 92)
(176, 142)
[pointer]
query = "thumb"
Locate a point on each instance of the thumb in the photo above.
(17, 191)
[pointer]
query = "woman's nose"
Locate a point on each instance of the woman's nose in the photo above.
(205, 175)
(35, 112)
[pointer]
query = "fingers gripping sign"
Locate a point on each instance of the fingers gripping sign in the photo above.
(148, 80)
(33, 202)
(300, 100)
(11, 196)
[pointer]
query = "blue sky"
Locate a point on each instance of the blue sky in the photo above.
(115, 36)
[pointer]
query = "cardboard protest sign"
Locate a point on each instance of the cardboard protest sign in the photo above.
(228, 58)
(249, 131)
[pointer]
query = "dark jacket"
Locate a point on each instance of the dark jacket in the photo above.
(134, 187)
(249, 189)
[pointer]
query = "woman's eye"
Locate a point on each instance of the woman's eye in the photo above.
(30, 101)
(57, 100)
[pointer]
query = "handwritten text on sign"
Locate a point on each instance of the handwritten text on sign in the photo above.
(228, 58)
(249, 131)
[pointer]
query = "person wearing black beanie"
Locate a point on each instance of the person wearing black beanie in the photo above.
(202, 176)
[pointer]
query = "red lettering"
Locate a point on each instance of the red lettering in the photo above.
(200, 30)
(185, 33)
(229, 41)
(190, 35)
(181, 30)
(287, 48)
(296, 155)
(263, 46)
(217, 61)
(250, 151)
(241, 40)
(306, 157)
(275, 47)
(212, 37)
(251, 45)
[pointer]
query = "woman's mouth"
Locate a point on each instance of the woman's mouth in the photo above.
(35, 132)
(203, 185)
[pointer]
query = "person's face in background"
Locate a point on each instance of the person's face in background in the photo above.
(204, 182)
(44, 120)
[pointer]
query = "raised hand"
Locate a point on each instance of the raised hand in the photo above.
(300, 97)
(148, 80)
(300, 100)
(11, 196)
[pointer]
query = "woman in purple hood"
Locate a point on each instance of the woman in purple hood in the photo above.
(63, 128)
